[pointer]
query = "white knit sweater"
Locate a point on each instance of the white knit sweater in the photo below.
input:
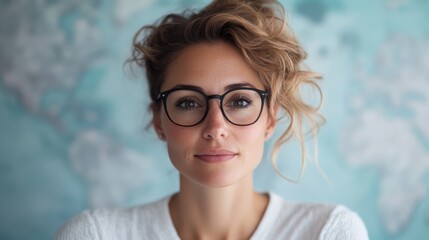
(281, 220)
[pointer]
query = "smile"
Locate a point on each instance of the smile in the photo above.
(215, 156)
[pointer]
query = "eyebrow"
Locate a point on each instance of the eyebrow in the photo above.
(229, 87)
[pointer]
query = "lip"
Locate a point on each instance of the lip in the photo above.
(216, 155)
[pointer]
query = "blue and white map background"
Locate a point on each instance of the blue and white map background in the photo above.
(72, 124)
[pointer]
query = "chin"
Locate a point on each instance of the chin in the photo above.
(216, 181)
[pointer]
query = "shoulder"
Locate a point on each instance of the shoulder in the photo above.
(344, 224)
(290, 220)
(114, 223)
(303, 220)
(81, 226)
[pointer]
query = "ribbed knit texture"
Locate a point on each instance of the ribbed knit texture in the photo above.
(281, 220)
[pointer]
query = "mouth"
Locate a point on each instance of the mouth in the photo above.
(215, 156)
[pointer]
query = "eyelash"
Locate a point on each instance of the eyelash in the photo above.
(242, 98)
(186, 100)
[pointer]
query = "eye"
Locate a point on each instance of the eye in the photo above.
(240, 102)
(188, 104)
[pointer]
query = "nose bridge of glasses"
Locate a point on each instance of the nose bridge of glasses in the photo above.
(209, 109)
(214, 96)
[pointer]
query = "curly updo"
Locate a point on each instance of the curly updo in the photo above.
(260, 32)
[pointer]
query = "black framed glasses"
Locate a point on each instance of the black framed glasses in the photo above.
(188, 107)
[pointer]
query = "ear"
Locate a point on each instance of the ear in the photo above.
(271, 122)
(156, 120)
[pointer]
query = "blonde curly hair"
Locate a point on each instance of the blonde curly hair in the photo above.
(259, 30)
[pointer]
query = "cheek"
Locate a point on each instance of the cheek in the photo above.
(172, 132)
(179, 140)
(251, 134)
(255, 133)
(179, 144)
(177, 134)
(251, 139)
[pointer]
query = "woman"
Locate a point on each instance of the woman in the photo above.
(218, 79)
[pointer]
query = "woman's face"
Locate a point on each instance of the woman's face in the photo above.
(213, 153)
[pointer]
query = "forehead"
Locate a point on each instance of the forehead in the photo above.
(210, 66)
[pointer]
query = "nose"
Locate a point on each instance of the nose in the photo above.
(214, 125)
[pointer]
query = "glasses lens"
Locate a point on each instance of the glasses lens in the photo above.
(185, 107)
(242, 106)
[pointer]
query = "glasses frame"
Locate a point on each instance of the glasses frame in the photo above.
(164, 95)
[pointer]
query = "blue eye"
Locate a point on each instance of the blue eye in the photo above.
(240, 102)
(187, 104)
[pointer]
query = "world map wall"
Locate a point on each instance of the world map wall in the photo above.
(73, 118)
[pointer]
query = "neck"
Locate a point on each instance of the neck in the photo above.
(231, 212)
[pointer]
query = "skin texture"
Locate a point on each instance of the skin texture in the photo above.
(211, 191)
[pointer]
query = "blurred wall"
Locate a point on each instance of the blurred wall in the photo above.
(73, 132)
